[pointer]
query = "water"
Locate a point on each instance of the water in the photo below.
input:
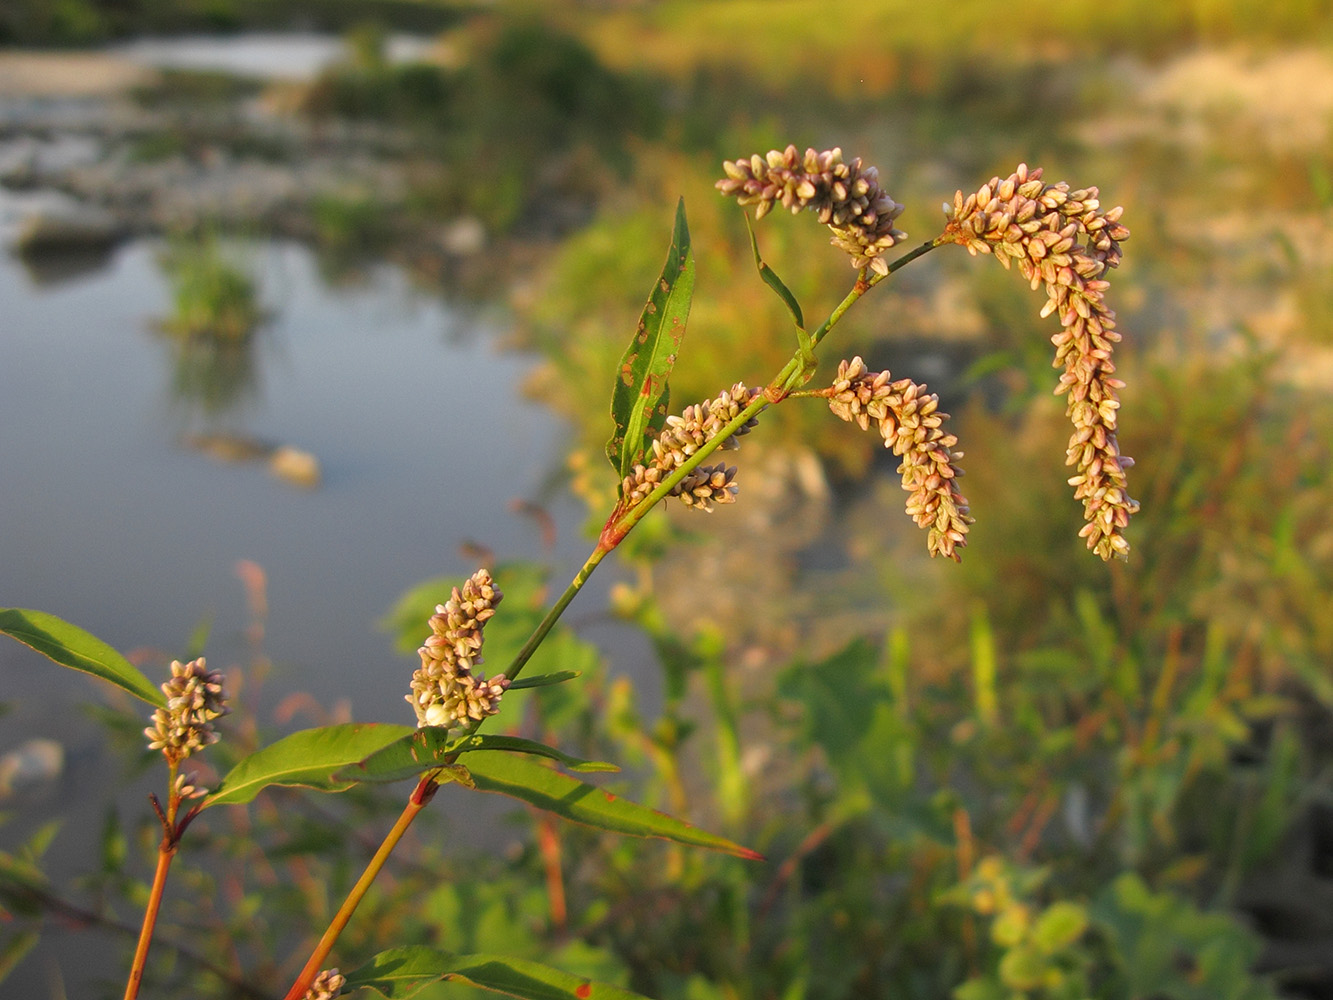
(273, 56)
(414, 414)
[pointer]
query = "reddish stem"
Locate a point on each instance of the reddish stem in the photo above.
(165, 853)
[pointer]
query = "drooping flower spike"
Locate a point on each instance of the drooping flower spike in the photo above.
(910, 421)
(1059, 238)
(1062, 240)
(846, 197)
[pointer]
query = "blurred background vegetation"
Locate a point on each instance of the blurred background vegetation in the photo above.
(1029, 776)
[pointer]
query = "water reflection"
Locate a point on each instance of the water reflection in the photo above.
(212, 377)
(54, 268)
(211, 329)
(414, 416)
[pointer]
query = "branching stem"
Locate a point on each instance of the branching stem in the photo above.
(794, 375)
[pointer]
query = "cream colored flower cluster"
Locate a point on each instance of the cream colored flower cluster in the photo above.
(681, 437)
(1061, 238)
(445, 691)
(327, 985)
(195, 700)
(910, 421)
(846, 197)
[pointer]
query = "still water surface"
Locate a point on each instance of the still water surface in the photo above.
(269, 55)
(112, 522)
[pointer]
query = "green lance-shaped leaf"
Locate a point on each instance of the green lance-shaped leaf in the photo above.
(313, 758)
(430, 746)
(545, 680)
(771, 279)
(404, 972)
(525, 779)
(639, 401)
(71, 646)
(13, 951)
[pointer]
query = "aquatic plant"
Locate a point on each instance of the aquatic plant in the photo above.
(1060, 239)
(214, 299)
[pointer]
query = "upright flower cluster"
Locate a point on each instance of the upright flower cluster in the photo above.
(1063, 240)
(910, 421)
(445, 691)
(195, 700)
(681, 437)
(846, 196)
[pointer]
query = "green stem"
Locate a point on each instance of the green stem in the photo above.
(557, 609)
(794, 374)
(860, 288)
(912, 255)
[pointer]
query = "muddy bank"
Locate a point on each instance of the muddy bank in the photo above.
(110, 134)
(96, 148)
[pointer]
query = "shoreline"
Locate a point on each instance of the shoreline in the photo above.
(69, 73)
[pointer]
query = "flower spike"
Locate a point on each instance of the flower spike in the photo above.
(445, 689)
(1061, 239)
(846, 197)
(910, 421)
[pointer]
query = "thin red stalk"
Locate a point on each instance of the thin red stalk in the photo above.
(422, 794)
(166, 852)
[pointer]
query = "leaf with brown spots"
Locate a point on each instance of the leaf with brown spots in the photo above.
(640, 398)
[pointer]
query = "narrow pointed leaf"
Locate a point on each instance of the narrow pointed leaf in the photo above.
(545, 680)
(71, 646)
(15, 950)
(403, 972)
(431, 746)
(313, 758)
(526, 779)
(639, 401)
(771, 279)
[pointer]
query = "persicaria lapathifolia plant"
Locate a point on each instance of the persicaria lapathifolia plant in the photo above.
(1060, 240)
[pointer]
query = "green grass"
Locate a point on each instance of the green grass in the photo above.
(212, 296)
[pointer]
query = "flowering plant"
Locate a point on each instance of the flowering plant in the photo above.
(1059, 238)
